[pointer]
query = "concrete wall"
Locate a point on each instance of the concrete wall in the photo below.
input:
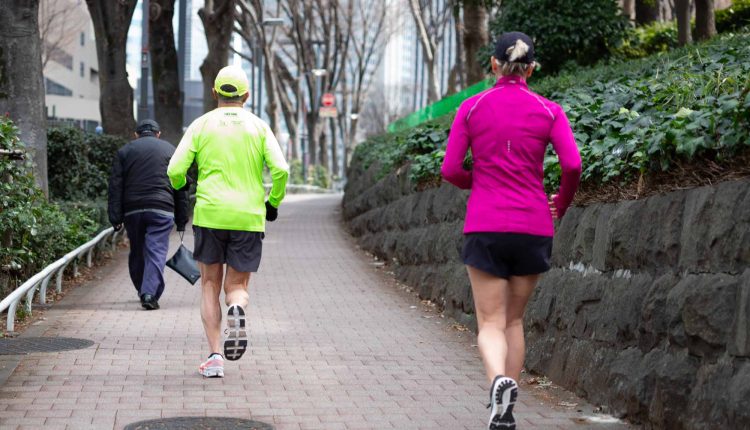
(647, 308)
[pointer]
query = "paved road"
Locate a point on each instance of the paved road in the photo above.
(334, 345)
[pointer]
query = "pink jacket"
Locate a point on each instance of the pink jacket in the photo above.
(508, 129)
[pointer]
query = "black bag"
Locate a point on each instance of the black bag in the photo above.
(183, 263)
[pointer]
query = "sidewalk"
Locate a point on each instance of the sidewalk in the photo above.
(333, 345)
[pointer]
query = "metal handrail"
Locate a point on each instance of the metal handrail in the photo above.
(42, 278)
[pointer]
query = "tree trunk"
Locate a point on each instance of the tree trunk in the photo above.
(334, 148)
(111, 23)
(705, 21)
(475, 37)
(272, 104)
(217, 17)
(433, 85)
(428, 50)
(323, 144)
(21, 83)
(311, 138)
(164, 72)
(684, 35)
(646, 11)
(628, 9)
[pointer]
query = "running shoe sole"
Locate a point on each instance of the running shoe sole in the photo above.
(235, 343)
(502, 399)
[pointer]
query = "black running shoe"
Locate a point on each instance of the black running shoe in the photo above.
(502, 398)
(235, 343)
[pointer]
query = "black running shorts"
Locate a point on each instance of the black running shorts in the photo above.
(507, 254)
(239, 249)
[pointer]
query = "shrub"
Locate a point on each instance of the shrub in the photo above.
(392, 150)
(662, 36)
(577, 31)
(647, 40)
(318, 176)
(734, 17)
(33, 232)
(79, 163)
(628, 118)
(295, 172)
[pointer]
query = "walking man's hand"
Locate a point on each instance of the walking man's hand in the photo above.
(271, 212)
(117, 227)
(180, 227)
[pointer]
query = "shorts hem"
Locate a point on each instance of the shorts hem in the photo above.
(488, 270)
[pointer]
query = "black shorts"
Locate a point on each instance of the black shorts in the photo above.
(239, 249)
(507, 254)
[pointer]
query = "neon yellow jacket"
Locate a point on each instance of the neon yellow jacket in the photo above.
(230, 146)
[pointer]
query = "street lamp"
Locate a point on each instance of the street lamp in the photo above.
(319, 72)
(354, 116)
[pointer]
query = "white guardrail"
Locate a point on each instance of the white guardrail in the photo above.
(41, 279)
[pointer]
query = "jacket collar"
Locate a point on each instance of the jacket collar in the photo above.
(512, 80)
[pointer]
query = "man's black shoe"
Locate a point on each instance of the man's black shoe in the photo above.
(149, 302)
(143, 302)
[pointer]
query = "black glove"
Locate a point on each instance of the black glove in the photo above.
(180, 227)
(117, 227)
(271, 212)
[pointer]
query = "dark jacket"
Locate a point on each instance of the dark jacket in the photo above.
(139, 181)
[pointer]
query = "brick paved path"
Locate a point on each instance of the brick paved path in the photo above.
(333, 346)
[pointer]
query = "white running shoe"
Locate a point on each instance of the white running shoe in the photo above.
(502, 398)
(213, 367)
(235, 343)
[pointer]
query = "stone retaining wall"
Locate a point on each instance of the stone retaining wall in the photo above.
(647, 308)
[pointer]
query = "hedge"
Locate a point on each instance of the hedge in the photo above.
(631, 118)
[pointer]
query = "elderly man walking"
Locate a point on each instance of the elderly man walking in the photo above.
(141, 197)
(230, 146)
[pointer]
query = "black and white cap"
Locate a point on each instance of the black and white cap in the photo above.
(514, 47)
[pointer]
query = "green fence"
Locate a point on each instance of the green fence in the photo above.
(442, 107)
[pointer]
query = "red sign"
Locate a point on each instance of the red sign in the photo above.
(328, 99)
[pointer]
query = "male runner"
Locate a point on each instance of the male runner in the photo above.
(230, 146)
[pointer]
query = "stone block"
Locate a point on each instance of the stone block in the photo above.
(739, 343)
(626, 385)
(616, 317)
(654, 325)
(626, 224)
(565, 235)
(716, 229)
(673, 310)
(711, 384)
(708, 313)
(593, 239)
(739, 393)
(674, 378)
(657, 239)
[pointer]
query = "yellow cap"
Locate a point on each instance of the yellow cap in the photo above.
(231, 81)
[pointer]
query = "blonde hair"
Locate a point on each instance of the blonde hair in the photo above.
(518, 50)
(506, 68)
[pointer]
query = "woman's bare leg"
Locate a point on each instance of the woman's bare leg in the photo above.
(490, 301)
(520, 289)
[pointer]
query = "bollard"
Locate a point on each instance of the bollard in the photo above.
(43, 290)
(60, 274)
